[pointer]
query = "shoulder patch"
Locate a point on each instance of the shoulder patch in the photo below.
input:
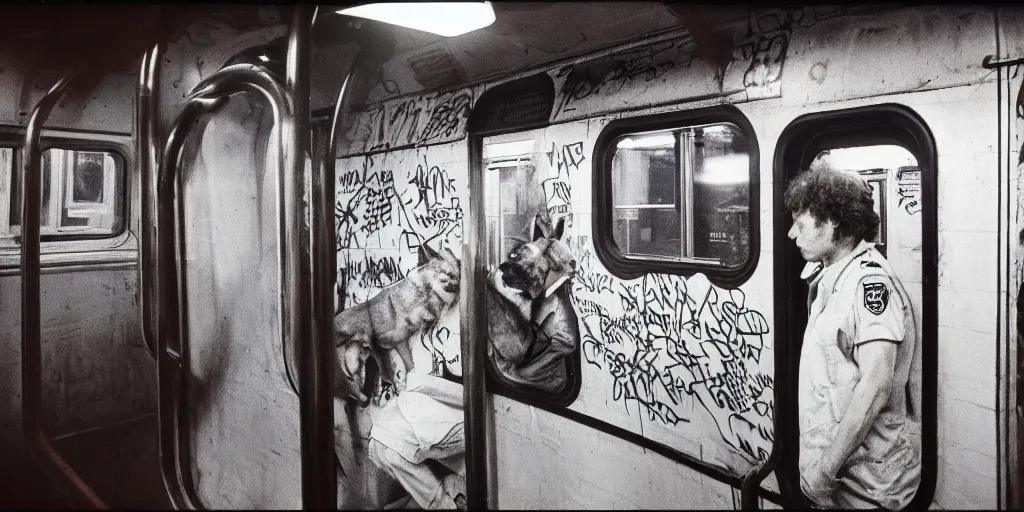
(869, 264)
(876, 297)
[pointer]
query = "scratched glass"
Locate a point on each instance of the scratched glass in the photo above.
(83, 193)
(683, 195)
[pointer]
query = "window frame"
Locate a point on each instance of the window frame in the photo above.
(496, 383)
(101, 142)
(803, 139)
(631, 267)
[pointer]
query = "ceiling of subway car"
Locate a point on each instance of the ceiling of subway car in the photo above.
(523, 36)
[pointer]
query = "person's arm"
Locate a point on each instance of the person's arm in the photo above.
(877, 363)
(877, 330)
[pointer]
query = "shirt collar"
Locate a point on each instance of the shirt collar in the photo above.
(837, 267)
(554, 286)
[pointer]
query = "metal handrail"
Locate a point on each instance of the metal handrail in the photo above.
(149, 159)
(209, 95)
(31, 340)
(311, 333)
(172, 412)
(752, 481)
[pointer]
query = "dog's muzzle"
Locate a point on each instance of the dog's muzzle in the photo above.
(514, 276)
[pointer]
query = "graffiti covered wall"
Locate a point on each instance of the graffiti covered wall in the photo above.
(399, 220)
(675, 359)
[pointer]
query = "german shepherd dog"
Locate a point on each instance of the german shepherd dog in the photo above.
(531, 322)
(389, 320)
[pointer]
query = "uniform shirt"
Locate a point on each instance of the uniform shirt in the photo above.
(854, 301)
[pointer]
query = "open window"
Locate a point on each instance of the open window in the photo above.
(892, 149)
(677, 194)
(533, 354)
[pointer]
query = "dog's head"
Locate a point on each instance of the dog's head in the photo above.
(441, 270)
(534, 266)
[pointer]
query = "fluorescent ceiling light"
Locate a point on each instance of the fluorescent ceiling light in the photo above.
(869, 157)
(447, 19)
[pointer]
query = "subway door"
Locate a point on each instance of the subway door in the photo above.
(898, 165)
(1011, 166)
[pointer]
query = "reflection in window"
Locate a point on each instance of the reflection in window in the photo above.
(895, 180)
(81, 193)
(683, 195)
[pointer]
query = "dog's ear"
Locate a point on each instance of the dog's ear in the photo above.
(559, 228)
(538, 229)
(426, 254)
(451, 256)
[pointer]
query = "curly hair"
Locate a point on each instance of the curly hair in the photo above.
(840, 196)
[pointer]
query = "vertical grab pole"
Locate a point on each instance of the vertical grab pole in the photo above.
(328, 234)
(473, 312)
(307, 328)
(31, 349)
(149, 159)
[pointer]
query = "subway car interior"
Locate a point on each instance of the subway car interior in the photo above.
(509, 255)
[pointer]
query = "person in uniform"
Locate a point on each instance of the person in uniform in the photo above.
(860, 444)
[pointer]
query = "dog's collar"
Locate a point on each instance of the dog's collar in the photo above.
(554, 286)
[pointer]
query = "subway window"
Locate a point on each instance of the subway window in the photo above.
(894, 176)
(82, 193)
(677, 199)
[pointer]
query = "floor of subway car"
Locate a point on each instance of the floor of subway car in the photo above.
(24, 486)
(120, 463)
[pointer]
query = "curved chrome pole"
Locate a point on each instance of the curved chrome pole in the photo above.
(172, 344)
(31, 339)
(149, 159)
(172, 411)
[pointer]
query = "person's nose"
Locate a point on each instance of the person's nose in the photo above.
(792, 232)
